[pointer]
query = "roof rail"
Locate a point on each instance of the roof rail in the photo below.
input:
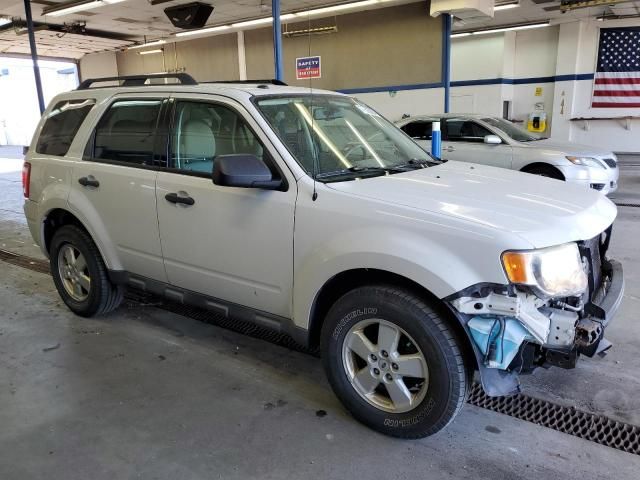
(271, 81)
(138, 80)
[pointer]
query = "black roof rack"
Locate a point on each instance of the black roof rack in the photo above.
(271, 81)
(138, 80)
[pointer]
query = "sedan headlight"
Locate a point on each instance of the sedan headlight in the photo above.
(555, 271)
(586, 161)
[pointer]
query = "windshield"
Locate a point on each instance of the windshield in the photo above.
(329, 134)
(513, 131)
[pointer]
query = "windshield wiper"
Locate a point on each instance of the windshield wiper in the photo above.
(363, 170)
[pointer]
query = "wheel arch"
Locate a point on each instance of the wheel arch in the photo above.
(533, 166)
(348, 280)
(58, 217)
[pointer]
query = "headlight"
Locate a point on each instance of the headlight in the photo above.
(586, 161)
(555, 271)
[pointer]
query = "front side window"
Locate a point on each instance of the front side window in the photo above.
(328, 134)
(126, 132)
(61, 126)
(419, 130)
(462, 130)
(204, 131)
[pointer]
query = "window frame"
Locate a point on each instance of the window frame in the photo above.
(156, 156)
(422, 121)
(171, 114)
(445, 135)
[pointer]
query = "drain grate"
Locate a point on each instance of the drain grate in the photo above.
(588, 426)
(628, 204)
(31, 263)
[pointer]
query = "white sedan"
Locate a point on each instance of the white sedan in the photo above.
(498, 142)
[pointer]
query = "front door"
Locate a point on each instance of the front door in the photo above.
(463, 140)
(234, 244)
(115, 183)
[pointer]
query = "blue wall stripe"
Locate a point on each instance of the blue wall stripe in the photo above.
(469, 83)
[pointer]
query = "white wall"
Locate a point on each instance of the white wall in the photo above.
(98, 65)
(577, 55)
(475, 58)
(409, 102)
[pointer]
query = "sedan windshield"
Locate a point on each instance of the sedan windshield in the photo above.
(511, 130)
(337, 138)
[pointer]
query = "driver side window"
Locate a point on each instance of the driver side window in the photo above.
(204, 131)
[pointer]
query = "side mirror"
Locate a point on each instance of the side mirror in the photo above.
(243, 170)
(492, 139)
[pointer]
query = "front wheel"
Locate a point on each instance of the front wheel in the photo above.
(394, 362)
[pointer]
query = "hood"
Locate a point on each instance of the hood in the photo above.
(570, 148)
(540, 210)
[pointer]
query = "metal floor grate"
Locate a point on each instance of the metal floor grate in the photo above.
(595, 428)
(627, 204)
(588, 426)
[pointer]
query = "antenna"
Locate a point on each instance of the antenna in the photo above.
(314, 172)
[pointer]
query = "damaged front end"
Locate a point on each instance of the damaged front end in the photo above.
(525, 324)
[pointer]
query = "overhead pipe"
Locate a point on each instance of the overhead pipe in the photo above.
(34, 55)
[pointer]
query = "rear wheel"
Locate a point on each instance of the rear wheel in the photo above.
(394, 362)
(545, 171)
(80, 275)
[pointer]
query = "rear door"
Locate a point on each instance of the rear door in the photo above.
(114, 185)
(234, 244)
(463, 140)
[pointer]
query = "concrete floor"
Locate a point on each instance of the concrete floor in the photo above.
(147, 394)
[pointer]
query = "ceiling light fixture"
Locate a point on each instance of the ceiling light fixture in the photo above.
(506, 6)
(5, 21)
(149, 52)
(72, 7)
(150, 44)
(501, 29)
(203, 30)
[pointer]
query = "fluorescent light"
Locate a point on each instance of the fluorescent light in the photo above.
(502, 29)
(257, 21)
(337, 8)
(149, 52)
(506, 6)
(203, 30)
(261, 21)
(150, 44)
(5, 21)
(510, 29)
(60, 9)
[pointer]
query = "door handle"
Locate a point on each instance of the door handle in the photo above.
(175, 198)
(89, 181)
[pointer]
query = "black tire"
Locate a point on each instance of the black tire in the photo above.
(448, 383)
(545, 171)
(103, 296)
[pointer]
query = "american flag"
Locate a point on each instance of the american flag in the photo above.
(617, 79)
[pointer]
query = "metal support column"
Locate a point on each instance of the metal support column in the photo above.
(446, 58)
(34, 54)
(277, 40)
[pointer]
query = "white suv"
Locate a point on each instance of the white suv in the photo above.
(310, 213)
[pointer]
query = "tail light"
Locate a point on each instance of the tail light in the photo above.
(26, 179)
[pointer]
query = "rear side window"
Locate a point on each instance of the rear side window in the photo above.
(61, 126)
(420, 130)
(126, 132)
